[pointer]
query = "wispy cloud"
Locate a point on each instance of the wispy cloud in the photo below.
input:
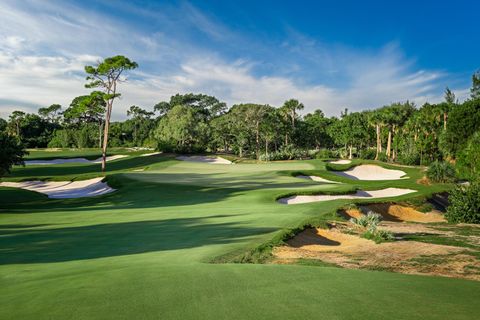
(45, 45)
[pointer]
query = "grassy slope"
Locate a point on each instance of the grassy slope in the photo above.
(142, 252)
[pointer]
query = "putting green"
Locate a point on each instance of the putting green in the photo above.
(143, 252)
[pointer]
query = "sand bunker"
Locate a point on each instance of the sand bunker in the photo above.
(64, 189)
(205, 159)
(394, 212)
(315, 178)
(370, 172)
(383, 193)
(71, 160)
(150, 154)
(341, 162)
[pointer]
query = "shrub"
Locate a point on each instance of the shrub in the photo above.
(369, 221)
(409, 158)
(468, 160)
(61, 139)
(286, 153)
(378, 235)
(325, 154)
(11, 152)
(464, 204)
(382, 157)
(441, 171)
(368, 154)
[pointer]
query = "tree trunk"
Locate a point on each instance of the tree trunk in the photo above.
(389, 143)
(100, 128)
(105, 135)
(135, 134)
(350, 155)
(445, 116)
(379, 144)
(257, 140)
(266, 149)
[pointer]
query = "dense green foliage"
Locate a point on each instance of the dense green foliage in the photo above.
(198, 123)
(464, 204)
(441, 171)
(11, 153)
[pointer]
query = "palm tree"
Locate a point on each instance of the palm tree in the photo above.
(376, 119)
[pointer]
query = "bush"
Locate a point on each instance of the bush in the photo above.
(464, 204)
(325, 154)
(468, 160)
(61, 139)
(368, 154)
(441, 171)
(378, 235)
(369, 221)
(11, 152)
(286, 153)
(409, 158)
(382, 157)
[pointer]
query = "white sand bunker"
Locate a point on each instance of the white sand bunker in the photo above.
(205, 159)
(150, 154)
(64, 189)
(72, 160)
(370, 172)
(341, 162)
(383, 193)
(316, 178)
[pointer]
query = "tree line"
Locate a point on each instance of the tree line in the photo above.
(196, 123)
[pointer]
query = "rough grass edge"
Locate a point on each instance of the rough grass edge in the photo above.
(263, 253)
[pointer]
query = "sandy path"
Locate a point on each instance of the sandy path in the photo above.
(341, 162)
(315, 178)
(71, 160)
(370, 172)
(64, 189)
(383, 193)
(205, 159)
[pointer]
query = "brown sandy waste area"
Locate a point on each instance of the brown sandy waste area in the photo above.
(342, 245)
(395, 212)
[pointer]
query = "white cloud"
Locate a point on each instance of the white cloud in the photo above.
(45, 46)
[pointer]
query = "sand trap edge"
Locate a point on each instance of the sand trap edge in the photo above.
(64, 189)
(360, 194)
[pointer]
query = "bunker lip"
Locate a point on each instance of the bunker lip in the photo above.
(361, 194)
(150, 154)
(392, 212)
(204, 159)
(64, 189)
(341, 161)
(71, 160)
(371, 172)
(316, 178)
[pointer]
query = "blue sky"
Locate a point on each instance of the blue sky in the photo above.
(328, 54)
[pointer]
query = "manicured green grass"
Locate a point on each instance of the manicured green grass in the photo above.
(144, 251)
(88, 153)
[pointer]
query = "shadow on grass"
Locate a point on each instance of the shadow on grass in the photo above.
(116, 239)
(170, 190)
(94, 169)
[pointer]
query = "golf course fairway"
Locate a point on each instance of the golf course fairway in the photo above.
(162, 246)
